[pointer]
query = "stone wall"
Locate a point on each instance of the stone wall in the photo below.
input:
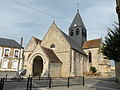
(55, 69)
(62, 48)
(95, 57)
(38, 51)
(99, 61)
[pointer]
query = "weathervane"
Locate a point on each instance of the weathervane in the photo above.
(78, 7)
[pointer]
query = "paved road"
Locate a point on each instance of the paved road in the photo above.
(104, 83)
(90, 84)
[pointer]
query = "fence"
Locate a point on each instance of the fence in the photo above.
(2, 83)
(38, 82)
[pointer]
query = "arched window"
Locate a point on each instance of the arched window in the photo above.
(90, 57)
(77, 31)
(71, 32)
(52, 46)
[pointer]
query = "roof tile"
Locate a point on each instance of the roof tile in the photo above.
(92, 43)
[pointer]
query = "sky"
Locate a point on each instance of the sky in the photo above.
(27, 18)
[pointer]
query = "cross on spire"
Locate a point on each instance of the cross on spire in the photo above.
(77, 7)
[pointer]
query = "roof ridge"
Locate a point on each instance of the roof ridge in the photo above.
(9, 43)
(69, 37)
(7, 39)
(36, 39)
(94, 39)
(92, 43)
(51, 55)
(77, 20)
(78, 48)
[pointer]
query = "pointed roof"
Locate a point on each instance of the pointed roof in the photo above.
(77, 20)
(9, 43)
(51, 55)
(92, 43)
(33, 41)
(53, 25)
(74, 45)
(37, 40)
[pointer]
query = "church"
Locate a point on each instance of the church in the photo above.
(62, 55)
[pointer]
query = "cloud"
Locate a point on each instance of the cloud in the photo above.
(18, 21)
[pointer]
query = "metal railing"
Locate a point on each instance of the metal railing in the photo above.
(32, 82)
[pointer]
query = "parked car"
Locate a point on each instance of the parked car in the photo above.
(22, 72)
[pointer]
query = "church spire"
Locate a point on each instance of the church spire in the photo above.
(77, 20)
(77, 30)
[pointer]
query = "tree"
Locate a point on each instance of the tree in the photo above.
(111, 47)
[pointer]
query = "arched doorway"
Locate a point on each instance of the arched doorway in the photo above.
(37, 66)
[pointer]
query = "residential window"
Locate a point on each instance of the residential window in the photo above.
(5, 64)
(90, 57)
(14, 64)
(0, 52)
(6, 52)
(16, 53)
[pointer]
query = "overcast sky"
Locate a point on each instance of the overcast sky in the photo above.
(27, 18)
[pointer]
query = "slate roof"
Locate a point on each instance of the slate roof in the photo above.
(77, 20)
(92, 43)
(73, 43)
(9, 43)
(52, 56)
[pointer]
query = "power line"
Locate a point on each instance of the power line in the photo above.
(38, 10)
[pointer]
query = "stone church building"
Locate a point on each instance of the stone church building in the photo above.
(61, 55)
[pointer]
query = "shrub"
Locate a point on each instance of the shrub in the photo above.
(93, 69)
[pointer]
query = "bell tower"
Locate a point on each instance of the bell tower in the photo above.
(77, 30)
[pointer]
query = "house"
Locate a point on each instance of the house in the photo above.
(11, 54)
